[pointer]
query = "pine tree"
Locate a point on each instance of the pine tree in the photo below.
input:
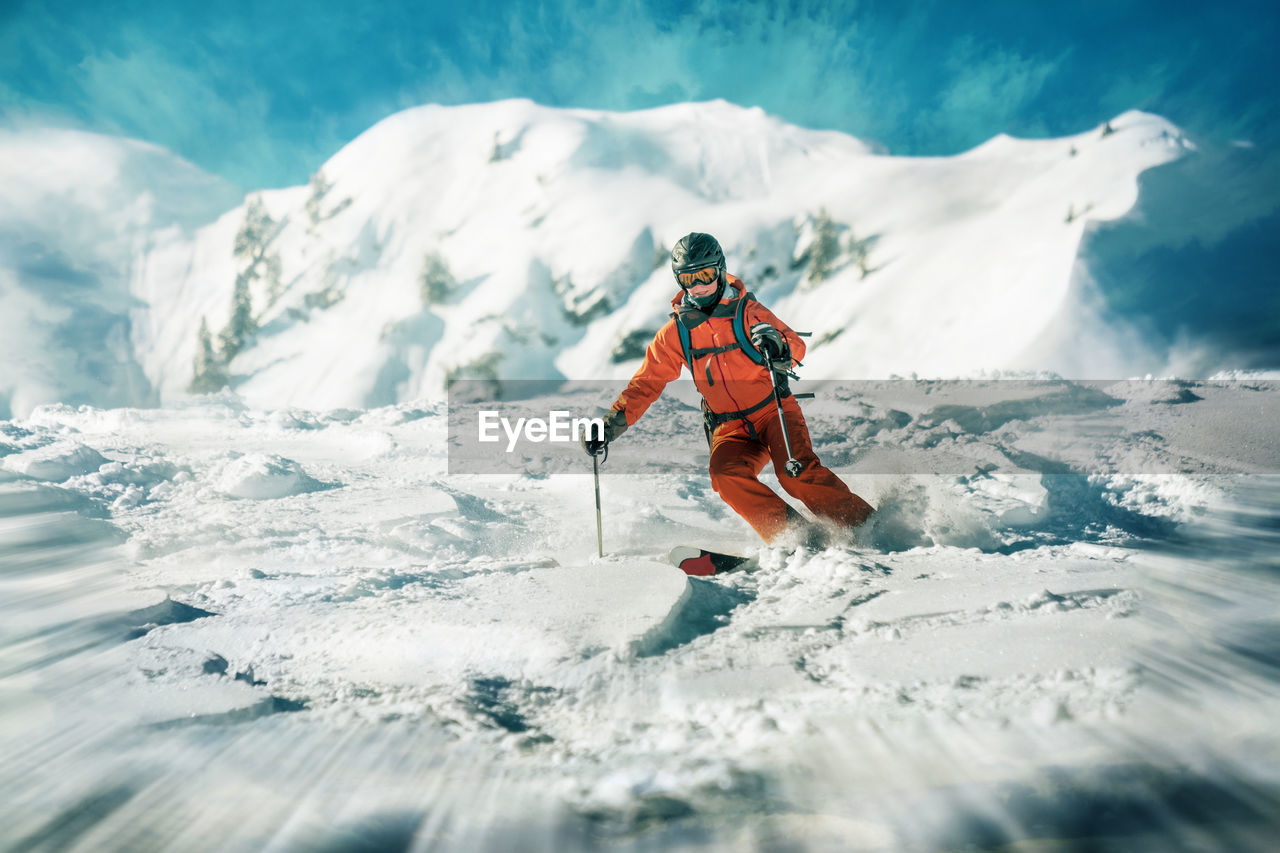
(208, 374)
(251, 244)
(255, 232)
(861, 252)
(825, 248)
(271, 272)
(436, 282)
(320, 187)
(241, 326)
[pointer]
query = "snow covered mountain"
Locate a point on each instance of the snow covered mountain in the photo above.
(513, 240)
(79, 214)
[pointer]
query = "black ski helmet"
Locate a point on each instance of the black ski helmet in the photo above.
(697, 251)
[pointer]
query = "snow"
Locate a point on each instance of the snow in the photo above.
(56, 462)
(554, 225)
(259, 476)
(295, 614)
(80, 215)
(289, 642)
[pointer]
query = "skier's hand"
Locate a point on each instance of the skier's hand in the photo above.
(771, 344)
(615, 424)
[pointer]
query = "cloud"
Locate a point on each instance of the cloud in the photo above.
(990, 90)
(263, 93)
(187, 84)
(806, 63)
(142, 91)
(199, 102)
(898, 76)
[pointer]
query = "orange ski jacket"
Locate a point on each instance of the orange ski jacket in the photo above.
(729, 380)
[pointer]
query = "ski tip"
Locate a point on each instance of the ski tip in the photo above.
(680, 553)
(699, 567)
(692, 561)
(699, 562)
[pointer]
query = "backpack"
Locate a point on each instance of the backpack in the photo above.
(741, 338)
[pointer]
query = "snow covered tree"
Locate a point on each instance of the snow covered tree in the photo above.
(253, 242)
(320, 187)
(824, 249)
(252, 249)
(208, 374)
(256, 231)
(436, 283)
(481, 375)
(241, 326)
(860, 251)
(632, 345)
(661, 256)
(271, 268)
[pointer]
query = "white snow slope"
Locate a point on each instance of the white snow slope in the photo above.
(79, 213)
(552, 227)
(271, 618)
(231, 629)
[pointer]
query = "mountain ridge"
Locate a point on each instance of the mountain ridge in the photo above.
(515, 240)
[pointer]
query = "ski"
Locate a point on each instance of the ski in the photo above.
(699, 562)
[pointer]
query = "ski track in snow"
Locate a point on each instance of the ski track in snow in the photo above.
(231, 629)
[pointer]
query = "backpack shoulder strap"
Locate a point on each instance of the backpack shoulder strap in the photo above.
(686, 342)
(740, 329)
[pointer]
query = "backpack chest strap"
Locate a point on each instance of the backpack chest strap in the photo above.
(703, 352)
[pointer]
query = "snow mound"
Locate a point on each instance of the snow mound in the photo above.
(522, 622)
(566, 614)
(56, 462)
(261, 476)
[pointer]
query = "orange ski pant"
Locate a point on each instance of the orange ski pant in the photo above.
(738, 457)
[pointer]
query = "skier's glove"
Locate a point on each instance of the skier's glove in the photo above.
(615, 424)
(771, 344)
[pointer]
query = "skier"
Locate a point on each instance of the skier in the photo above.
(730, 366)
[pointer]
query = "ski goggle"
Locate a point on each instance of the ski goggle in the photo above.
(706, 275)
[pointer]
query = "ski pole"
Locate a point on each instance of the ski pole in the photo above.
(595, 467)
(793, 466)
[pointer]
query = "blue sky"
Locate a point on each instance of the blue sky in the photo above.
(263, 93)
